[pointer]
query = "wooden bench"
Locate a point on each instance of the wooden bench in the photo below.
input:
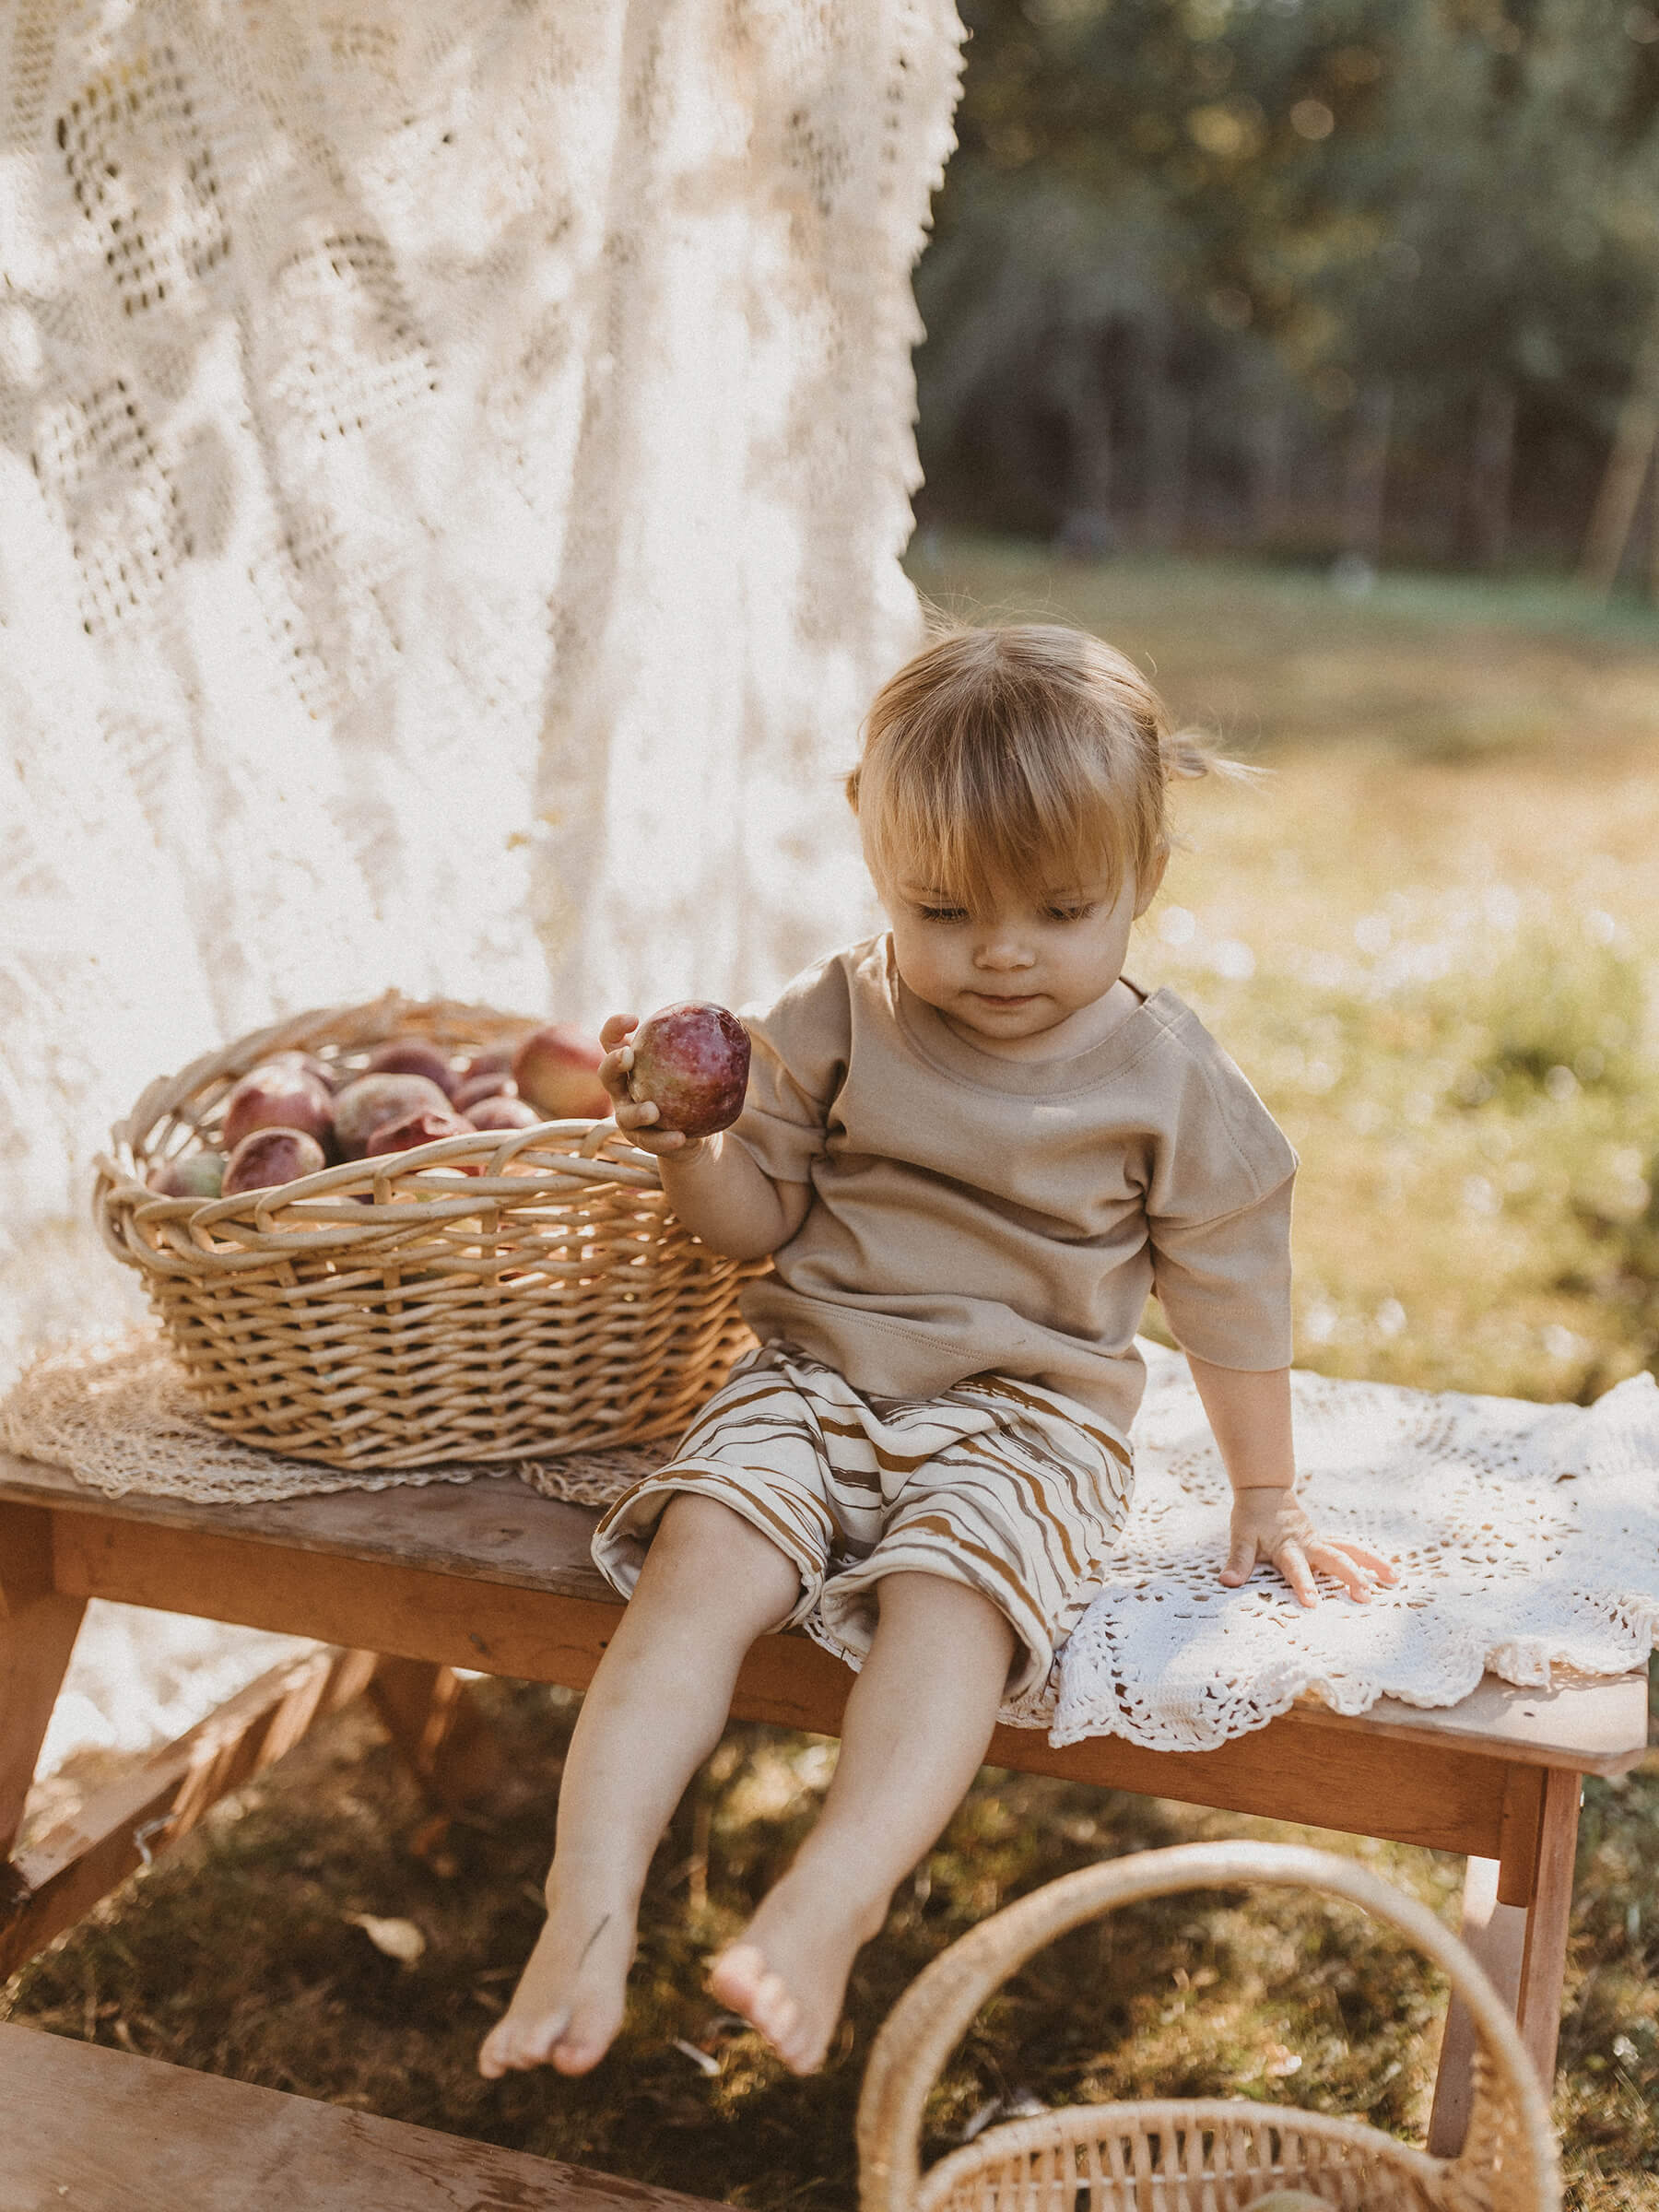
(148, 2138)
(415, 1581)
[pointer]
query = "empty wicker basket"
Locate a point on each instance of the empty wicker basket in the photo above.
(1194, 2155)
(491, 1297)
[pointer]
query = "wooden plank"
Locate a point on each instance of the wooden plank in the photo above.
(497, 1530)
(160, 1797)
(102, 2132)
(1496, 1933)
(39, 1624)
(441, 1736)
(1406, 1791)
(1594, 1724)
(1543, 1963)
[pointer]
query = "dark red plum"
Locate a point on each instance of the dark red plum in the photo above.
(413, 1057)
(268, 1157)
(278, 1095)
(363, 1106)
(423, 1127)
(498, 1084)
(498, 1111)
(691, 1062)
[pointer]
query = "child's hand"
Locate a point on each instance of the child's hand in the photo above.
(1270, 1523)
(633, 1118)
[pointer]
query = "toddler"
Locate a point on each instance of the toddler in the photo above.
(972, 1145)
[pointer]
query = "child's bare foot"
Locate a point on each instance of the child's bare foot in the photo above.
(568, 2006)
(787, 1973)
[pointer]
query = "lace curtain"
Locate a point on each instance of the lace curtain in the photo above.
(453, 461)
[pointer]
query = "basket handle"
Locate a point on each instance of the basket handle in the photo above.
(928, 2021)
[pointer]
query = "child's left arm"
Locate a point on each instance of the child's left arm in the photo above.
(1249, 1414)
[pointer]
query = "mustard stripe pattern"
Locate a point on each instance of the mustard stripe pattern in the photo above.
(1001, 1485)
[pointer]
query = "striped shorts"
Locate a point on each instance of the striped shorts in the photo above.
(1002, 1485)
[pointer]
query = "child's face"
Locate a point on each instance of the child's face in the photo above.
(1036, 964)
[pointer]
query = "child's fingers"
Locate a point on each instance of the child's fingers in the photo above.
(1334, 1559)
(616, 1028)
(1382, 1569)
(1292, 1563)
(1241, 1561)
(613, 1070)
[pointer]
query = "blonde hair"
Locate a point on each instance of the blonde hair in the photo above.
(1006, 756)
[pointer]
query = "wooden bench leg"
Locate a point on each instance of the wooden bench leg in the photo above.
(1515, 1921)
(436, 1725)
(38, 1628)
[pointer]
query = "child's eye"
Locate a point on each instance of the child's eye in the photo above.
(1080, 913)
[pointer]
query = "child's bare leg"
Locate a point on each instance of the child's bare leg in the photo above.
(653, 1714)
(918, 1720)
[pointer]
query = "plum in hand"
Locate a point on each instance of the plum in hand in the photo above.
(691, 1062)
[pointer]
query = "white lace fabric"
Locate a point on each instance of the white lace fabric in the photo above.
(454, 459)
(1526, 1537)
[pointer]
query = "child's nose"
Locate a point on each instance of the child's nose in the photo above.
(1004, 950)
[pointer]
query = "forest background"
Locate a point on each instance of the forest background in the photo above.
(1373, 278)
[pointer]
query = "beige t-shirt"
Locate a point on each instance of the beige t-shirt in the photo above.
(972, 1213)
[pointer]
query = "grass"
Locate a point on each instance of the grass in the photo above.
(1427, 934)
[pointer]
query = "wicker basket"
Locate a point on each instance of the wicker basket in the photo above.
(1197, 2154)
(403, 1309)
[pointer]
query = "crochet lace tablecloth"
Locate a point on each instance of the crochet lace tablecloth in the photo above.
(1526, 1537)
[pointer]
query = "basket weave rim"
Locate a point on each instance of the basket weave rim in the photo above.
(931, 2016)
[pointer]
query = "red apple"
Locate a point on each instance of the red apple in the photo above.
(498, 1084)
(691, 1062)
(554, 1068)
(192, 1175)
(270, 1156)
(363, 1106)
(278, 1095)
(425, 1126)
(499, 1112)
(413, 1057)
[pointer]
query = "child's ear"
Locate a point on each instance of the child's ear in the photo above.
(1148, 889)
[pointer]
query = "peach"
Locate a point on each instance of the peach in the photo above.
(278, 1095)
(691, 1062)
(272, 1155)
(555, 1069)
(413, 1057)
(365, 1104)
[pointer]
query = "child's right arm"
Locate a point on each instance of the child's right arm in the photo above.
(715, 1188)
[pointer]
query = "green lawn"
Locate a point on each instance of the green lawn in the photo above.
(1428, 935)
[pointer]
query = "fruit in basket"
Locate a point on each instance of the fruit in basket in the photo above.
(278, 1095)
(1291, 2200)
(413, 1057)
(268, 1157)
(555, 1069)
(488, 1060)
(500, 1112)
(691, 1062)
(424, 1126)
(199, 1174)
(496, 1084)
(291, 1056)
(366, 1104)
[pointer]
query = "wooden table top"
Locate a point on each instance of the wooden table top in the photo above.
(495, 1529)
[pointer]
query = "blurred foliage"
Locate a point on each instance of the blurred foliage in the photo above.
(1251, 203)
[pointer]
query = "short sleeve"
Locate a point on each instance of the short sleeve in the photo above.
(799, 1049)
(1219, 1215)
